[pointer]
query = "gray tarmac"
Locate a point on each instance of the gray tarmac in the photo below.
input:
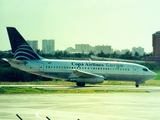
(106, 106)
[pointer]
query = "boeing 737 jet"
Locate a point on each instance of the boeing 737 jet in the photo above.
(79, 71)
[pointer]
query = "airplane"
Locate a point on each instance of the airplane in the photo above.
(78, 71)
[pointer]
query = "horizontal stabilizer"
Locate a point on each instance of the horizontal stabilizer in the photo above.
(14, 61)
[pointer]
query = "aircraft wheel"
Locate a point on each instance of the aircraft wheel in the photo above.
(80, 84)
(137, 85)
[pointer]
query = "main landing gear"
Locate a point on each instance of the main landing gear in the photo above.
(137, 85)
(80, 84)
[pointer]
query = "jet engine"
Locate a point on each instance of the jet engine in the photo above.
(93, 80)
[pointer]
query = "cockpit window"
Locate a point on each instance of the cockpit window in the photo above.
(145, 69)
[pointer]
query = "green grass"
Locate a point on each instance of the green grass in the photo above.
(60, 82)
(17, 90)
(29, 90)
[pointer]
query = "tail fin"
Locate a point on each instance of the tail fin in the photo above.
(20, 48)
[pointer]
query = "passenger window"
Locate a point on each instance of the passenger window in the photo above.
(144, 69)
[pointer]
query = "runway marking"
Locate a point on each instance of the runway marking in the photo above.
(37, 113)
(80, 113)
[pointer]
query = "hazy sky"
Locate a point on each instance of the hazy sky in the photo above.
(123, 24)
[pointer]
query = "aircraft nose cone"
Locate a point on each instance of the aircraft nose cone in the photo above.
(154, 75)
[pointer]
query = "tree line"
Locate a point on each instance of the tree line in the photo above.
(128, 55)
(65, 54)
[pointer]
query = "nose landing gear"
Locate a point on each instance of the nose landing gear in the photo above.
(137, 85)
(80, 84)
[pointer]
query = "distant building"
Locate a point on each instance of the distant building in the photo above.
(70, 49)
(153, 59)
(124, 51)
(156, 43)
(156, 49)
(33, 44)
(91, 48)
(139, 50)
(117, 51)
(104, 48)
(82, 48)
(48, 46)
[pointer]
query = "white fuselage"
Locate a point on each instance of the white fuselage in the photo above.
(62, 69)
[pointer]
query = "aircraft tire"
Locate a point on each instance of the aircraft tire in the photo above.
(80, 84)
(137, 85)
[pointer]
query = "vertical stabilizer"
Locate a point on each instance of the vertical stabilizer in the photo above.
(20, 48)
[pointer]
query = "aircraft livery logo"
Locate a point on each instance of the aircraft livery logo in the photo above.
(25, 52)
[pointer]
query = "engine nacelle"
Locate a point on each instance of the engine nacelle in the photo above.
(87, 80)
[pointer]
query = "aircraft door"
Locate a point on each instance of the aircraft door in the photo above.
(135, 70)
(41, 68)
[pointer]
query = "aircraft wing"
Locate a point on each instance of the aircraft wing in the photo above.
(84, 74)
